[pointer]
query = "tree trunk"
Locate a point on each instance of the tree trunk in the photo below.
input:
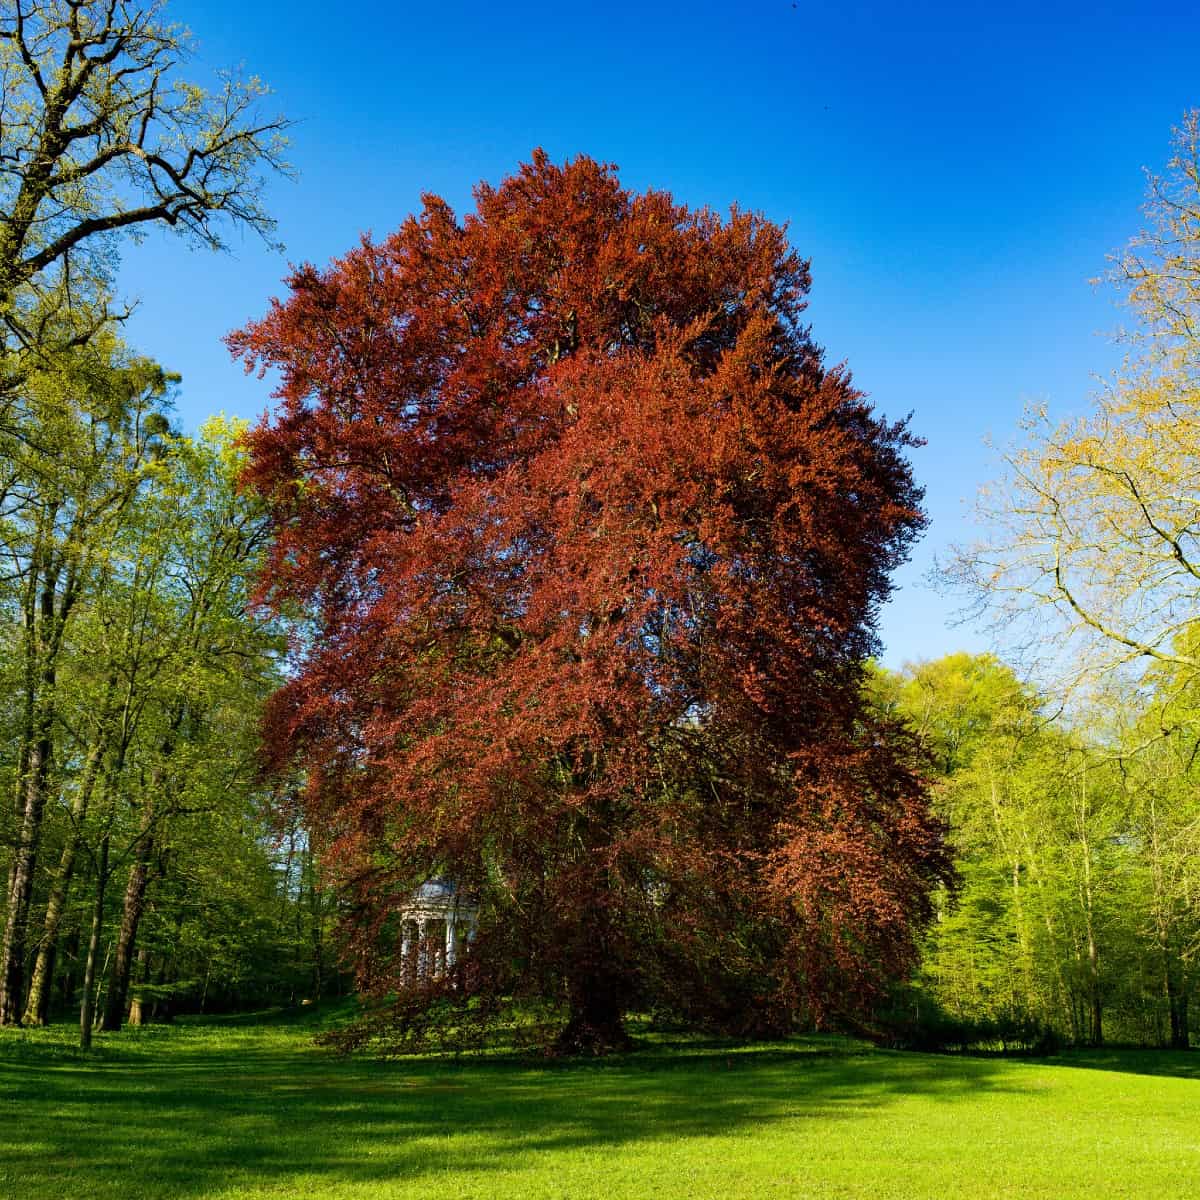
(131, 916)
(1174, 987)
(142, 973)
(37, 1005)
(89, 972)
(316, 916)
(163, 1008)
(67, 972)
(44, 621)
(12, 958)
(139, 878)
(318, 965)
(596, 1023)
(1177, 1001)
(37, 1008)
(1095, 999)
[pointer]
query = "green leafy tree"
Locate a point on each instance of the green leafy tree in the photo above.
(1038, 823)
(88, 442)
(102, 134)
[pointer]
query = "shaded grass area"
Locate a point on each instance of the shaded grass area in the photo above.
(254, 1109)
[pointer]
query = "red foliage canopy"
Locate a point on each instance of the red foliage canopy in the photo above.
(591, 544)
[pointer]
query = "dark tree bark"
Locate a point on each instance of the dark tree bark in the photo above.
(87, 1005)
(131, 917)
(12, 958)
(1177, 1001)
(596, 1023)
(37, 1007)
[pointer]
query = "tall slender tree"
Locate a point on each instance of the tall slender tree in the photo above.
(85, 447)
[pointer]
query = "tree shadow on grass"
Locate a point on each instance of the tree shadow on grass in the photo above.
(1177, 1064)
(190, 1120)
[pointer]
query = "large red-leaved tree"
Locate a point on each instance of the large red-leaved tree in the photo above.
(589, 545)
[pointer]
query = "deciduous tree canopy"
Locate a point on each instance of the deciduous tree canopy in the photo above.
(590, 545)
(101, 136)
(1093, 532)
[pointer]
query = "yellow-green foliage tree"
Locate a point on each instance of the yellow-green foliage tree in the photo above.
(1095, 529)
(1033, 818)
(1094, 542)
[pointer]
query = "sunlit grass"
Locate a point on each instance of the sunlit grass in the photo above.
(230, 1109)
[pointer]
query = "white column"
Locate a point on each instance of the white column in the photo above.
(406, 949)
(451, 940)
(423, 948)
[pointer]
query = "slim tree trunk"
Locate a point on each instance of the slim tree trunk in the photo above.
(141, 974)
(16, 928)
(1174, 987)
(315, 913)
(67, 976)
(164, 1003)
(1095, 998)
(318, 975)
(139, 878)
(86, 1008)
(1180, 1039)
(1177, 1000)
(37, 1007)
(131, 917)
(27, 820)
(45, 613)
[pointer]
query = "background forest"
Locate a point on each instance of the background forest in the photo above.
(1075, 921)
(146, 875)
(154, 867)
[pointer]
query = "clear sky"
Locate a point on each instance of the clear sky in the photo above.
(957, 172)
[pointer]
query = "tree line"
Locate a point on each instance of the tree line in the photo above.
(1077, 842)
(139, 848)
(1073, 801)
(571, 549)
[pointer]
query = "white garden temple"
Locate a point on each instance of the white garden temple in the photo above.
(435, 924)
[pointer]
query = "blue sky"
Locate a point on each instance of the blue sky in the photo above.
(956, 172)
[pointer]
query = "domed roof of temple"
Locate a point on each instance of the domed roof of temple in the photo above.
(438, 890)
(440, 896)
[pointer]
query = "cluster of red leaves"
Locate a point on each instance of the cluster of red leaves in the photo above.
(589, 544)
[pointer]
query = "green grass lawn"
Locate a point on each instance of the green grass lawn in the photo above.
(229, 1109)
